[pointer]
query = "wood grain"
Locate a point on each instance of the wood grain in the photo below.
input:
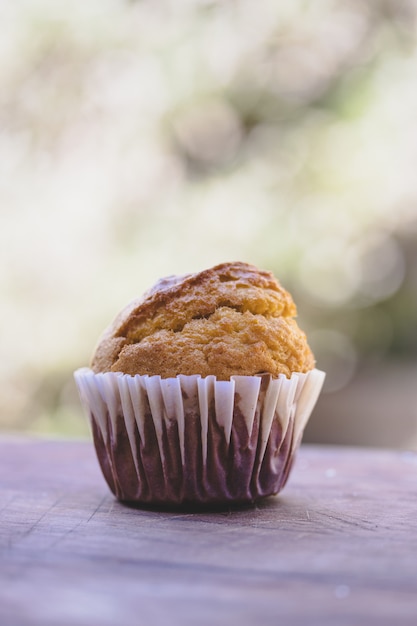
(338, 546)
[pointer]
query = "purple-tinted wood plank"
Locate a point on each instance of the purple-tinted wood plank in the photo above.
(338, 545)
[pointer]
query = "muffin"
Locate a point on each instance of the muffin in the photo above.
(199, 391)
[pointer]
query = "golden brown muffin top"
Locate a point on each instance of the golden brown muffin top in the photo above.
(232, 319)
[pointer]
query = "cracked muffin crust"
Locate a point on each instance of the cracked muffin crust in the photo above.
(232, 319)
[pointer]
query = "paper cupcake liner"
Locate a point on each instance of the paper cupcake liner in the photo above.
(193, 440)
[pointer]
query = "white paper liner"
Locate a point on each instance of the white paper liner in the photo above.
(196, 440)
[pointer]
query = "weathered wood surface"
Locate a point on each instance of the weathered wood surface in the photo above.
(338, 546)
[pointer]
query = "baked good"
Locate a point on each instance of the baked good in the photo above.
(199, 391)
(228, 320)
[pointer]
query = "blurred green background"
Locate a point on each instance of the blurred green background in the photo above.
(142, 139)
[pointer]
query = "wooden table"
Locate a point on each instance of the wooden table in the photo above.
(338, 546)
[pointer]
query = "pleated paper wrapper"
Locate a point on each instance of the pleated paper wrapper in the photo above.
(196, 441)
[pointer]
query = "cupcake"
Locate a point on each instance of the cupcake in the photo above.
(199, 391)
